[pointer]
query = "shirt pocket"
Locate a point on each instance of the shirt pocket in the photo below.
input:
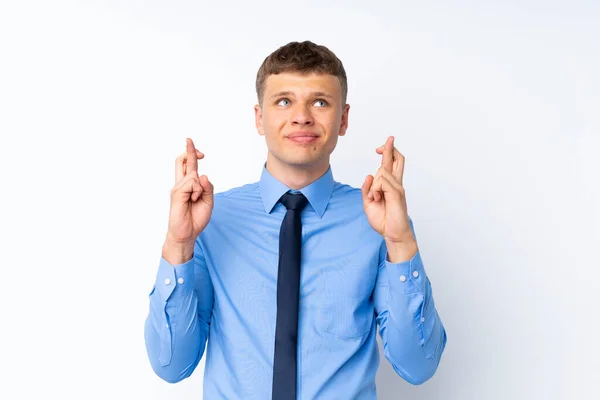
(345, 303)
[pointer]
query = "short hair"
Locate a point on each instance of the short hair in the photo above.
(303, 57)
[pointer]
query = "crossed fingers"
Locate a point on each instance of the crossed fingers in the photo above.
(389, 175)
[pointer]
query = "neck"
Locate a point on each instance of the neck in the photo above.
(296, 176)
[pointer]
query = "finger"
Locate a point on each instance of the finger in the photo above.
(192, 160)
(382, 177)
(180, 167)
(391, 178)
(376, 189)
(197, 190)
(180, 164)
(385, 188)
(375, 192)
(365, 189)
(387, 160)
(390, 190)
(398, 164)
(398, 170)
(371, 195)
(189, 187)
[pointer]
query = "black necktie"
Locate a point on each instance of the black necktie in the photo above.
(288, 291)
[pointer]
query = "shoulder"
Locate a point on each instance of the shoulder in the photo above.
(347, 200)
(345, 193)
(232, 202)
(236, 193)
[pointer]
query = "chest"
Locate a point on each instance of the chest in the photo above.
(337, 259)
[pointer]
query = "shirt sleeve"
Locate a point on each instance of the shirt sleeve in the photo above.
(411, 330)
(178, 320)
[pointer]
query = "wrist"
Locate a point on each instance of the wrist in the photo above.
(177, 252)
(398, 252)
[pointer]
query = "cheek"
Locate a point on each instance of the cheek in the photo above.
(331, 122)
(273, 139)
(272, 116)
(332, 128)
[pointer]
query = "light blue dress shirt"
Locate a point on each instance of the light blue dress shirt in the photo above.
(224, 300)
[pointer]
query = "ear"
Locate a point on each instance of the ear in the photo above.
(344, 124)
(258, 120)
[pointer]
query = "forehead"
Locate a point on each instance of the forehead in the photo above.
(300, 83)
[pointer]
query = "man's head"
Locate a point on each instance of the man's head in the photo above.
(301, 89)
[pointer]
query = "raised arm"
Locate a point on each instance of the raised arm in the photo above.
(181, 300)
(412, 332)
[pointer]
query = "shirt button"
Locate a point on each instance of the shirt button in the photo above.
(402, 278)
(422, 319)
(167, 326)
(167, 281)
(415, 273)
(180, 281)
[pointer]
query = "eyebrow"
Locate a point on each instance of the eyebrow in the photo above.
(288, 93)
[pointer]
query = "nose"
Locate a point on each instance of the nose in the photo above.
(302, 117)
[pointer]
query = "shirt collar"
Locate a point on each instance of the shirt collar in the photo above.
(318, 193)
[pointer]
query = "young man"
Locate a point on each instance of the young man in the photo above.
(289, 277)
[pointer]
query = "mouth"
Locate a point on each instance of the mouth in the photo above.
(303, 138)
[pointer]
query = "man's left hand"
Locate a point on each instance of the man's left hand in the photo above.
(384, 202)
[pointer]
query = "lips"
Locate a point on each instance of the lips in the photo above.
(302, 134)
(303, 139)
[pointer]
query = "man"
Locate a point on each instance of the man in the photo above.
(289, 277)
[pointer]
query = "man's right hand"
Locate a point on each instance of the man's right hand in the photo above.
(192, 201)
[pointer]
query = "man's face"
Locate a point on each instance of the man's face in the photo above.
(301, 118)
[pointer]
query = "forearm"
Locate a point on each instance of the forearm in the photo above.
(412, 333)
(177, 325)
(175, 338)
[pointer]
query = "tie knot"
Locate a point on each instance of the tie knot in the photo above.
(294, 201)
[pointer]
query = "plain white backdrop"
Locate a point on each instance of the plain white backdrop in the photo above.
(494, 104)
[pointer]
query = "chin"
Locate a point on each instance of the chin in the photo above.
(302, 161)
(299, 157)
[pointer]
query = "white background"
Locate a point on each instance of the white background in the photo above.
(495, 105)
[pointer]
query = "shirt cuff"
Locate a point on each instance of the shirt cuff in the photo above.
(174, 280)
(408, 276)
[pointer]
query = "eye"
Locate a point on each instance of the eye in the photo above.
(279, 102)
(321, 101)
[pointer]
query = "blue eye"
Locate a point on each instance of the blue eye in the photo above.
(322, 101)
(279, 102)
